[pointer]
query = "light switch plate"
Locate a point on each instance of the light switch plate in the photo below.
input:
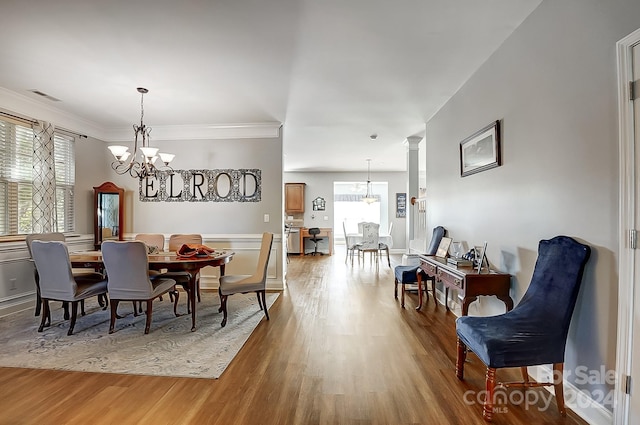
(266, 218)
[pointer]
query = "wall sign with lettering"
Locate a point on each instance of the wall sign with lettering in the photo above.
(225, 185)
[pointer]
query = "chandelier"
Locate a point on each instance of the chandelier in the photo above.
(145, 167)
(369, 198)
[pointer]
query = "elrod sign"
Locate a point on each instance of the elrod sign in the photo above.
(224, 185)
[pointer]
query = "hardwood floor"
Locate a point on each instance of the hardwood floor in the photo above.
(338, 349)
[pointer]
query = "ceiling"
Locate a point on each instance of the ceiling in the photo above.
(333, 72)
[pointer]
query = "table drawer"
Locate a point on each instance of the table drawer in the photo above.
(429, 269)
(450, 278)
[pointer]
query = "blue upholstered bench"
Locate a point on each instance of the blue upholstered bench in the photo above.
(412, 275)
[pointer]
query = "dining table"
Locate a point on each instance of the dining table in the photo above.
(354, 238)
(169, 261)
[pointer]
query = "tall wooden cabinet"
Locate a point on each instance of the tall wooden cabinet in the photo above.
(294, 198)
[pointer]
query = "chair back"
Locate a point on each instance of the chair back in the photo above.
(361, 226)
(127, 266)
(152, 239)
(263, 259)
(438, 233)
(553, 291)
(313, 231)
(177, 240)
(54, 270)
(55, 236)
(390, 227)
(370, 236)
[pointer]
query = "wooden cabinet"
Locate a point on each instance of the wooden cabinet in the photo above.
(108, 213)
(294, 197)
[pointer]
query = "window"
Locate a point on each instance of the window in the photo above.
(349, 208)
(16, 179)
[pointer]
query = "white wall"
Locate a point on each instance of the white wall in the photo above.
(321, 184)
(553, 85)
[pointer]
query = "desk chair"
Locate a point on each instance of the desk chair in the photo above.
(314, 232)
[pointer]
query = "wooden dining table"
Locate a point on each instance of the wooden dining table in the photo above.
(165, 261)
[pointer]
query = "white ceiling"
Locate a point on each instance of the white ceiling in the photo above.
(332, 71)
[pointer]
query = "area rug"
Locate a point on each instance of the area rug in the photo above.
(170, 348)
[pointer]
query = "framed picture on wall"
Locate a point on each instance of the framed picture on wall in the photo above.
(401, 205)
(481, 150)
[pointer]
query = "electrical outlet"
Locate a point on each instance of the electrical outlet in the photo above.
(12, 284)
(266, 218)
(326, 218)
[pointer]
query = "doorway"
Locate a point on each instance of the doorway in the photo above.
(628, 339)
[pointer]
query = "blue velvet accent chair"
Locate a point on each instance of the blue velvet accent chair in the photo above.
(410, 274)
(535, 332)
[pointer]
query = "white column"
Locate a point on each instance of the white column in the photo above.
(413, 183)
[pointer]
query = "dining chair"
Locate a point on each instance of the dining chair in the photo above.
(127, 265)
(234, 284)
(535, 331)
(152, 240)
(351, 246)
(183, 278)
(56, 236)
(370, 241)
(57, 282)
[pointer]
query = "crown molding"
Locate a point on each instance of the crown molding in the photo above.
(37, 110)
(34, 109)
(267, 130)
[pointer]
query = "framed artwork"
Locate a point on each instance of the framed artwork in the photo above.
(481, 150)
(318, 204)
(443, 248)
(401, 205)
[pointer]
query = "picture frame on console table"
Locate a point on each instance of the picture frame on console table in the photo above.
(443, 248)
(481, 150)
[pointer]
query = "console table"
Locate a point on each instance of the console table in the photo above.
(467, 280)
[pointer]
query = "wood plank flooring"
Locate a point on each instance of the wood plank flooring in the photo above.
(338, 349)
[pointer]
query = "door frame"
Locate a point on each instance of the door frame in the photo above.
(627, 273)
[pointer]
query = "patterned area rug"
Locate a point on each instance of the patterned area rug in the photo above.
(170, 348)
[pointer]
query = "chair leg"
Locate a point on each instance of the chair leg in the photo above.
(558, 387)
(175, 295)
(395, 288)
(38, 298)
(114, 314)
(65, 306)
(81, 308)
(487, 411)
(45, 314)
(264, 303)
(147, 324)
(259, 300)
(462, 356)
(74, 316)
(223, 307)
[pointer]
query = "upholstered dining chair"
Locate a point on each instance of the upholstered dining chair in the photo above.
(535, 331)
(182, 278)
(351, 246)
(152, 240)
(234, 284)
(411, 274)
(127, 266)
(370, 241)
(88, 274)
(56, 280)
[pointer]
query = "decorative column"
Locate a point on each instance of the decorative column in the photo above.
(413, 182)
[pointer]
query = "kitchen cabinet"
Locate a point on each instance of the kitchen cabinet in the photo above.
(294, 197)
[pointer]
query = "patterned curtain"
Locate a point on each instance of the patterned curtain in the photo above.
(43, 213)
